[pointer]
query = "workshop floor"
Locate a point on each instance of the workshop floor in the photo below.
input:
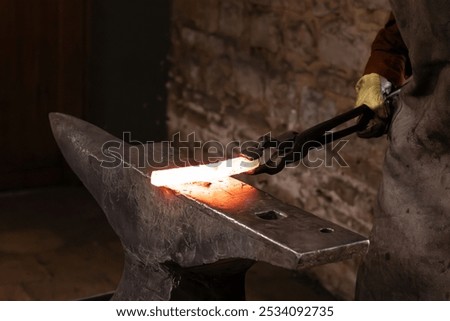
(56, 244)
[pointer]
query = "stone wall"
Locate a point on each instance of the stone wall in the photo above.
(242, 68)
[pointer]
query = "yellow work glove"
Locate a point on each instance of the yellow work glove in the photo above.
(371, 90)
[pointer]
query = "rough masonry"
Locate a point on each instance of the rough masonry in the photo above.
(240, 69)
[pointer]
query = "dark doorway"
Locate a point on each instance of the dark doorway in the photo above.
(42, 63)
(101, 60)
(128, 69)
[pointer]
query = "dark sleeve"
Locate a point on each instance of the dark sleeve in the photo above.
(389, 56)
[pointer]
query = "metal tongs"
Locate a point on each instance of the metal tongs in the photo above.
(291, 147)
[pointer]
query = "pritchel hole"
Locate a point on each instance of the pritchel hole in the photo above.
(326, 230)
(270, 215)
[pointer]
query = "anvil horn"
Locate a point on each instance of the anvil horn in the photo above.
(171, 238)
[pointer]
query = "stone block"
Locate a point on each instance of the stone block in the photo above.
(200, 45)
(218, 76)
(265, 32)
(341, 45)
(322, 8)
(248, 80)
(300, 7)
(203, 14)
(371, 4)
(315, 107)
(300, 41)
(231, 21)
(370, 22)
(336, 82)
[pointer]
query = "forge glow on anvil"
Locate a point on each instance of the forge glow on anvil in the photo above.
(196, 242)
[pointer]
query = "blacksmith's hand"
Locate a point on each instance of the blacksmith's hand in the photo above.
(371, 91)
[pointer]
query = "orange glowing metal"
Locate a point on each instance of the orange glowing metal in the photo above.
(203, 173)
(226, 194)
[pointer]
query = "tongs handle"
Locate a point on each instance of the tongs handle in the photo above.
(293, 146)
(321, 132)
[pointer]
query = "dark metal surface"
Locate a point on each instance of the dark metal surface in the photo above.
(199, 224)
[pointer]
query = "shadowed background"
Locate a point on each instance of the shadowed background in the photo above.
(224, 69)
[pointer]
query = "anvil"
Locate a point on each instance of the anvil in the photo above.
(195, 242)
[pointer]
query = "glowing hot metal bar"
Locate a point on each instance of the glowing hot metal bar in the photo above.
(203, 173)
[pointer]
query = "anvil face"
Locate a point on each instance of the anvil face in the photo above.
(194, 225)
